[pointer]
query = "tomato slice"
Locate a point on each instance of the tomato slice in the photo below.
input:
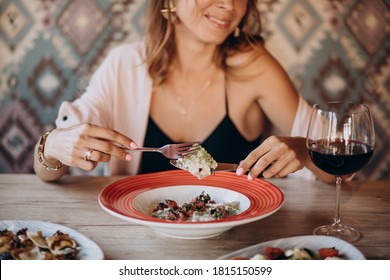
(328, 252)
(274, 253)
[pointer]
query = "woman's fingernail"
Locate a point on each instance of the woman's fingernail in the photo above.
(240, 171)
(133, 145)
(250, 178)
(128, 157)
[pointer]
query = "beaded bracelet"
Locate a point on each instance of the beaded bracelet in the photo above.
(40, 149)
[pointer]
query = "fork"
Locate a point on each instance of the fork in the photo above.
(172, 151)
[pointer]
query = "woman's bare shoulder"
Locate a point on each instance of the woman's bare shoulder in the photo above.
(263, 75)
(255, 62)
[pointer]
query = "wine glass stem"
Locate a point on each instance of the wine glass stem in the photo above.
(337, 211)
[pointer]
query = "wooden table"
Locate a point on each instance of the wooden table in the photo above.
(73, 202)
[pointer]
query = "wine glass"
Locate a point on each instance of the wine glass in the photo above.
(340, 140)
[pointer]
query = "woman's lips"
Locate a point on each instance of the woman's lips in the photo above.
(219, 22)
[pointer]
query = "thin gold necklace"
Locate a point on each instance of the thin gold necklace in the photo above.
(184, 107)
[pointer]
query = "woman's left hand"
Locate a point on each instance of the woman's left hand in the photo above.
(276, 157)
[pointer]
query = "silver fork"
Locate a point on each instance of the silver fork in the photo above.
(172, 151)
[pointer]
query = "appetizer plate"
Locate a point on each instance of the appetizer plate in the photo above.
(132, 199)
(312, 242)
(89, 250)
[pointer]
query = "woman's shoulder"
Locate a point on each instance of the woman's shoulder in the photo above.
(260, 73)
(255, 60)
(124, 60)
(130, 52)
(256, 63)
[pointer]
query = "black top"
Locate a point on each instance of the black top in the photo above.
(224, 144)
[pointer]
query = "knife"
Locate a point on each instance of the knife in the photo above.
(220, 167)
(226, 166)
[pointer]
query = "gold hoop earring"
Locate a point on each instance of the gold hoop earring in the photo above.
(169, 11)
(236, 32)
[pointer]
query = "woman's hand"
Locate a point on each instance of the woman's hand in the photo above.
(275, 157)
(70, 145)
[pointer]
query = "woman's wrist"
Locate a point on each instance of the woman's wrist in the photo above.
(40, 154)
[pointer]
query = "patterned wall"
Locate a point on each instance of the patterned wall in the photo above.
(49, 49)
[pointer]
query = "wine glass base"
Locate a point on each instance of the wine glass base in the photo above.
(346, 233)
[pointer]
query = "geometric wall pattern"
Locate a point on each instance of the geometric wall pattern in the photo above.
(332, 50)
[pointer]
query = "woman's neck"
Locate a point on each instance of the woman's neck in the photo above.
(193, 55)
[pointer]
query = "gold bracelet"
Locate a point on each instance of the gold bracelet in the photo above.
(40, 149)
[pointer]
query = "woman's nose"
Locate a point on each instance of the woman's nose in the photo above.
(228, 5)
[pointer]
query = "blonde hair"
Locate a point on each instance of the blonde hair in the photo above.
(161, 48)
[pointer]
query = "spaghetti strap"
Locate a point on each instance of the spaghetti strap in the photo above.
(226, 98)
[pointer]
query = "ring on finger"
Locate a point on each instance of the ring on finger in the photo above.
(88, 154)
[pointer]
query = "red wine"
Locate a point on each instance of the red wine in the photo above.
(339, 158)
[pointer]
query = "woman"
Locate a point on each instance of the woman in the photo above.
(201, 74)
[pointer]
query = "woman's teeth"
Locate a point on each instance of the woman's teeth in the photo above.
(218, 21)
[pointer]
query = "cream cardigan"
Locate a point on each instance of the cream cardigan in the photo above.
(119, 96)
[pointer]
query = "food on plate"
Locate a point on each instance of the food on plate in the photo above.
(200, 209)
(200, 163)
(274, 253)
(31, 245)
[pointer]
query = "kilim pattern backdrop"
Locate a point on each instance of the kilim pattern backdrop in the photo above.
(332, 50)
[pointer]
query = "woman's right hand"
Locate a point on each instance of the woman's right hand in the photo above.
(69, 145)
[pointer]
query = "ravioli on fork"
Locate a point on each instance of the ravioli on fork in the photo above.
(200, 163)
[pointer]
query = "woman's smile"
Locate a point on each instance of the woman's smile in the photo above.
(220, 23)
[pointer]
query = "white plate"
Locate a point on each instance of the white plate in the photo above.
(311, 242)
(89, 250)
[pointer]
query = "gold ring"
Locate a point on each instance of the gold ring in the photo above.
(88, 154)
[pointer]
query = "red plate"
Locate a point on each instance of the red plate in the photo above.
(117, 198)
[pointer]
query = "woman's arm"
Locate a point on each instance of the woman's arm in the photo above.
(86, 123)
(47, 170)
(277, 156)
(65, 147)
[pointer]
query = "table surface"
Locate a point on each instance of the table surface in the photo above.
(73, 202)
